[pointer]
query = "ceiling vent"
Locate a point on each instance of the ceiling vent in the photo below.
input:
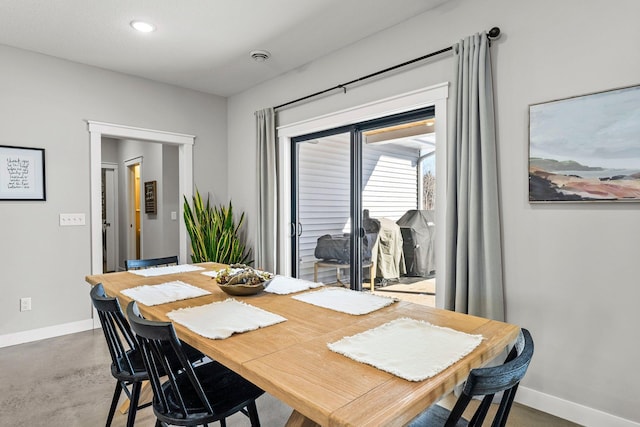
(260, 55)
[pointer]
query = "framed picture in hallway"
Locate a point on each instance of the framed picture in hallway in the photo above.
(586, 148)
(22, 174)
(150, 199)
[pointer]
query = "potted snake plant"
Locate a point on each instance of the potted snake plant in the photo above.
(215, 235)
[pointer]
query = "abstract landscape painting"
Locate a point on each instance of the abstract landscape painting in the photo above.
(586, 148)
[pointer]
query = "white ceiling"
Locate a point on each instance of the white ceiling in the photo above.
(199, 44)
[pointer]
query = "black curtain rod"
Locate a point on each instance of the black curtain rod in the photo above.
(493, 33)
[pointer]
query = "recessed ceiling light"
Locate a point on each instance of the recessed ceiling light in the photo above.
(143, 27)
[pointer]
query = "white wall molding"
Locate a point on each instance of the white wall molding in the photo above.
(185, 149)
(571, 411)
(435, 95)
(131, 132)
(372, 110)
(44, 333)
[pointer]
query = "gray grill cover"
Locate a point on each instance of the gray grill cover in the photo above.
(418, 234)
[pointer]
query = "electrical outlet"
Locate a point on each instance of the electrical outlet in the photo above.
(72, 219)
(174, 216)
(25, 304)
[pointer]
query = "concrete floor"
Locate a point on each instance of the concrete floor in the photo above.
(66, 382)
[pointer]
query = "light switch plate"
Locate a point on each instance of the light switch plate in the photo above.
(25, 304)
(72, 219)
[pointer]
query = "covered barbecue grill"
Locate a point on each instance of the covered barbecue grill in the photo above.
(418, 235)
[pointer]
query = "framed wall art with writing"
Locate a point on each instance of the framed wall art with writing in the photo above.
(22, 174)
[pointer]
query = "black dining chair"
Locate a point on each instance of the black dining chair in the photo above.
(127, 366)
(485, 382)
(191, 395)
(134, 264)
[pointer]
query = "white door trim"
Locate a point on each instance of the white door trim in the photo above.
(131, 207)
(185, 187)
(433, 95)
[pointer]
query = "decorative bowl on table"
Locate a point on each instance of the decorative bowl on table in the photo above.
(241, 280)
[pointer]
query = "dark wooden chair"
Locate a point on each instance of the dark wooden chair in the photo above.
(127, 366)
(134, 264)
(192, 395)
(485, 382)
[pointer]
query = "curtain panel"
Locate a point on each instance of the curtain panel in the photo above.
(267, 175)
(473, 231)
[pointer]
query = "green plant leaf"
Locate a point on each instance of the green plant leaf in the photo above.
(214, 234)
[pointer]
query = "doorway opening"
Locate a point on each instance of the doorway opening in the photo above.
(134, 233)
(183, 142)
(401, 191)
(434, 96)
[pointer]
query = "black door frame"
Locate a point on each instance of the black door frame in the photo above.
(355, 131)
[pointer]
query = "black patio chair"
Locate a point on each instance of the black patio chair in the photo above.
(192, 395)
(485, 382)
(134, 264)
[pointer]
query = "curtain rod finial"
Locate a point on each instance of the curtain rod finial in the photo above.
(494, 33)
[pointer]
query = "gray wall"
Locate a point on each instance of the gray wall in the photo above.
(44, 103)
(171, 199)
(571, 271)
(155, 227)
(160, 163)
(109, 150)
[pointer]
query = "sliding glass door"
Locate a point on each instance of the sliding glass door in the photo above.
(350, 187)
(322, 207)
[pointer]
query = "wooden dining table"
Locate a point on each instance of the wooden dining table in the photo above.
(291, 360)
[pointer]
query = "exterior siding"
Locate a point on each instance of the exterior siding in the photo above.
(390, 188)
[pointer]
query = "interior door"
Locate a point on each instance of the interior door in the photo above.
(109, 203)
(134, 192)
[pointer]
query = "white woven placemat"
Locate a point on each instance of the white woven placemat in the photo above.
(167, 269)
(164, 292)
(222, 319)
(346, 300)
(411, 349)
(283, 285)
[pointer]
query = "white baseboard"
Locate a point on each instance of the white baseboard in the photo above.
(570, 411)
(44, 333)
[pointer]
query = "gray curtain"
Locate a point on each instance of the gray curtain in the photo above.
(267, 173)
(474, 253)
